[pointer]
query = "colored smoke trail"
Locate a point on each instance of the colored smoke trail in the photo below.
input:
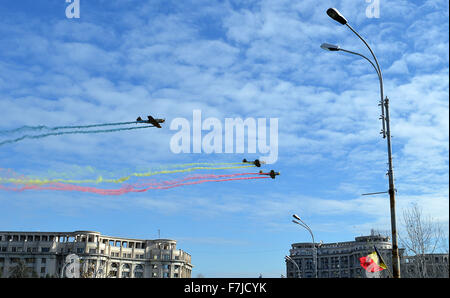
(69, 132)
(203, 164)
(123, 190)
(100, 179)
(41, 127)
(188, 178)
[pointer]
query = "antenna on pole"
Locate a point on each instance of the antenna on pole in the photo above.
(159, 234)
(374, 193)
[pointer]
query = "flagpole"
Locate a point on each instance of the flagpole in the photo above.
(382, 260)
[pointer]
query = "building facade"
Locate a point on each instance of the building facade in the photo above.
(425, 266)
(52, 254)
(337, 260)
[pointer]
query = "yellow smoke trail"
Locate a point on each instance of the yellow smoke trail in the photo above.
(100, 179)
(209, 164)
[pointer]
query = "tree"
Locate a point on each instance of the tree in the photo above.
(422, 236)
(20, 270)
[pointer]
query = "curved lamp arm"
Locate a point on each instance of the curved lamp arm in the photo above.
(379, 75)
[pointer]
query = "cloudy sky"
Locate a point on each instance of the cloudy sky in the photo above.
(229, 59)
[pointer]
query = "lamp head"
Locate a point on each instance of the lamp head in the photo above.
(296, 216)
(336, 15)
(330, 47)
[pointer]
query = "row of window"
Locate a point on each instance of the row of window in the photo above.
(327, 263)
(17, 238)
(90, 238)
(21, 249)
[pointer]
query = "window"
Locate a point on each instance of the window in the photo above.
(45, 249)
(138, 274)
(113, 273)
(92, 250)
(43, 261)
(80, 250)
(42, 269)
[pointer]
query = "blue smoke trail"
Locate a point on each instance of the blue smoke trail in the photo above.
(69, 132)
(41, 127)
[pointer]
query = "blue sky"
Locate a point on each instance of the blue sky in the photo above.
(258, 59)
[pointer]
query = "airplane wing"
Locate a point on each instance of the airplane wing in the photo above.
(272, 173)
(153, 121)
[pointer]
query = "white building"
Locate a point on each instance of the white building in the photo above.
(337, 260)
(45, 253)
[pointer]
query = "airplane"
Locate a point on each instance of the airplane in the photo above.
(272, 173)
(151, 120)
(256, 162)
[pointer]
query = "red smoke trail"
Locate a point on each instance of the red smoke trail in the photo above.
(127, 188)
(191, 177)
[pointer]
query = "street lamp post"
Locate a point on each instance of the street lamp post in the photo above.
(386, 131)
(288, 258)
(303, 224)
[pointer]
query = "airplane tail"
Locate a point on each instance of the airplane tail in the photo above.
(256, 162)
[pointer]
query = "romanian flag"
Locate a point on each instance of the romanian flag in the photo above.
(372, 263)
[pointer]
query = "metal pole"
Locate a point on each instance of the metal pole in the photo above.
(386, 120)
(384, 103)
(314, 246)
(295, 263)
(395, 255)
